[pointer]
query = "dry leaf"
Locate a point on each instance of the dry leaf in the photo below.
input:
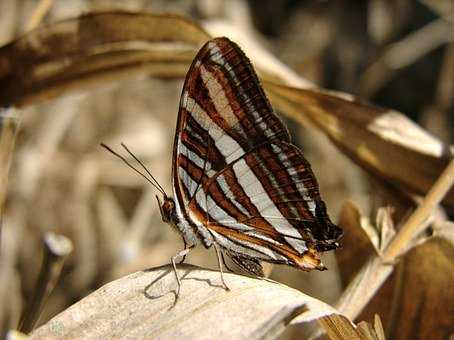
(356, 244)
(418, 295)
(141, 305)
(372, 331)
(338, 327)
(95, 47)
(425, 297)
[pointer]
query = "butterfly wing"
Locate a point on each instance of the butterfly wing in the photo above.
(238, 179)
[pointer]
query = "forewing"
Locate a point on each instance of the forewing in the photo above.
(223, 114)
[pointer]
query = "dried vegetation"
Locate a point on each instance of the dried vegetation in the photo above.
(76, 223)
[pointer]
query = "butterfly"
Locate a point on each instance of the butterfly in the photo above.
(239, 184)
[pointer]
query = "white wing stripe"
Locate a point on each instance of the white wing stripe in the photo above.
(182, 149)
(216, 56)
(228, 147)
(228, 194)
(248, 248)
(292, 173)
(190, 183)
(279, 223)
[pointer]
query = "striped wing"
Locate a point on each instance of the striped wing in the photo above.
(238, 180)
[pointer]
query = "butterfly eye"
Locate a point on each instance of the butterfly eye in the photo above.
(169, 205)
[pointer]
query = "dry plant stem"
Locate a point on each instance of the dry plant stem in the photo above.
(377, 269)
(9, 121)
(139, 225)
(38, 14)
(415, 224)
(56, 249)
(404, 53)
(8, 20)
(10, 240)
(8, 127)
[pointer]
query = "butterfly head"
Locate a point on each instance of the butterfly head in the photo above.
(167, 208)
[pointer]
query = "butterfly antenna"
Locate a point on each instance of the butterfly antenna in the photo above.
(144, 167)
(156, 185)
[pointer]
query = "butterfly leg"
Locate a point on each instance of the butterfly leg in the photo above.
(181, 253)
(184, 256)
(219, 255)
(225, 263)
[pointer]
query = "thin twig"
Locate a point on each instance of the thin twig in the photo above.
(415, 224)
(9, 121)
(56, 249)
(38, 14)
(403, 53)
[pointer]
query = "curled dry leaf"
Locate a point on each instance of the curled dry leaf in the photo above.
(385, 227)
(73, 53)
(357, 245)
(374, 331)
(142, 305)
(425, 296)
(338, 327)
(417, 301)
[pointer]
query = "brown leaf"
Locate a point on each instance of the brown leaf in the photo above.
(372, 331)
(338, 327)
(416, 301)
(356, 245)
(425, 300)
(141, 305)
(98, 46)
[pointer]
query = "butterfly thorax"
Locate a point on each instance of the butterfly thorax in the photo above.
(173, 216)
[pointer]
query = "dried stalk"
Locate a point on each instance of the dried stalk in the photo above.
(8, 20)
(138, 226)
(38, 14)
(10, 240)
(9, 121)
(377, 269)
(415, 224)
(404, 53)
(56, 249)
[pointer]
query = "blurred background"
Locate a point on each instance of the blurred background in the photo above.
(397, 54)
